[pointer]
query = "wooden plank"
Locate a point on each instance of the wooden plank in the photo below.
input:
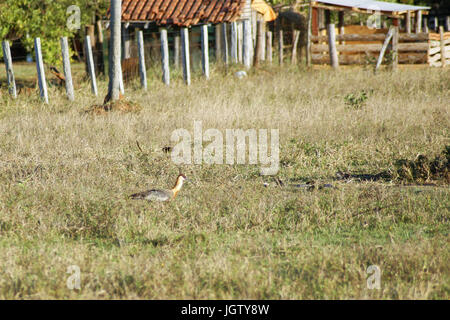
(9, 69)
(434, 43)
(438, 57)
(403, 58)
(185, 55)
(403, 37)
(67, 68)
(433, 51)
(142, 69)
(384, 47)
(40, 70)
(165, 56)
(332, 46)
(437, 36)
(436, 64)
(413, 46)
(205, 53)
(369, 47)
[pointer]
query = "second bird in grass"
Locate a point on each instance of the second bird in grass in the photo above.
(161, 194)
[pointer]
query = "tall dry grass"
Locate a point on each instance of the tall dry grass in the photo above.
(65, 176)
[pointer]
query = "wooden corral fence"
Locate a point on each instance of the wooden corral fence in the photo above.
(439, 43)
(344, 48)
(412, 48)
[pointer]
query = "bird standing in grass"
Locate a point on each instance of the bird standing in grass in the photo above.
(161, 194)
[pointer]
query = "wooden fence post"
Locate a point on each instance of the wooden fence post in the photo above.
(185, 54)
(384, 47)
(218, 36)
(240, 40)
(395, 37)
(269, 38)
(425, 25)
(224, 43)
(234, 42)
(126, 53)
(90, 63)
(341, 23)
(67, 69)
(419, 21)
(280, 44)
(176, 51)
(40, 70)
(205, 53)
(142, 69)
(332, 46)
(442, 43)
(308, 37)
(121, 87)
(247, 43)
(100, 60)
(408, 21)
(9, 69)
(294, 46)
(263, 37)
(259, 54)
(165, 56)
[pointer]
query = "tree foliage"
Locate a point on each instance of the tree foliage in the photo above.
(47, 19)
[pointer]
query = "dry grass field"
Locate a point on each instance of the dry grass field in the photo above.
(65, 178)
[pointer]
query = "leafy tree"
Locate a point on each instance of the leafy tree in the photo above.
(47, 19)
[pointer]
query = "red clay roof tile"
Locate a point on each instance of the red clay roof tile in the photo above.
(182, 12)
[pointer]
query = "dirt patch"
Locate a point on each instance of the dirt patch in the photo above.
(122, 106)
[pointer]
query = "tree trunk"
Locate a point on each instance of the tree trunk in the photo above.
(114, 55)
(100, 63)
